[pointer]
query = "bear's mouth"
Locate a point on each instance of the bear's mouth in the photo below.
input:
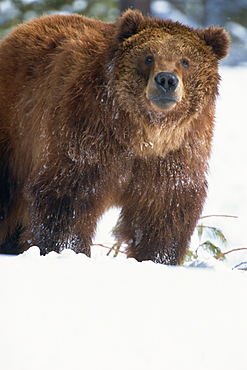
(163, 102)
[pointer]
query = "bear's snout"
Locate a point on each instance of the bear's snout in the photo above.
(166, 82)
(164, 90)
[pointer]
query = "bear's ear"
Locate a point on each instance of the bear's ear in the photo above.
(217, 38)
(129, 24)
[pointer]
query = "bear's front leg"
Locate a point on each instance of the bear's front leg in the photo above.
(160, 212)
(59, 224)
(152, 238)
(63, 211)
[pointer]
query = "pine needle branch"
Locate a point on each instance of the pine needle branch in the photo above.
(212, 231)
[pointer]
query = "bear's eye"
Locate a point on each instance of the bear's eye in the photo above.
(185, 63)
(149, 59)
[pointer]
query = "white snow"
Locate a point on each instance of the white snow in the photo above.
(71, 312)
(67, 311)
(228, 178)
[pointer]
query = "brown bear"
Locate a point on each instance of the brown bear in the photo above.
(95, 115)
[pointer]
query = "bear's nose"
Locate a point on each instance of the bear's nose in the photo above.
(168, 81)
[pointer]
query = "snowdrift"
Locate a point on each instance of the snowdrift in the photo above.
(71, 312)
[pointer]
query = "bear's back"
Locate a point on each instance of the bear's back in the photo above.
(30, 42)
(29, 54)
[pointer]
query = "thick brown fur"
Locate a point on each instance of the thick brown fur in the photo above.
(83, 128)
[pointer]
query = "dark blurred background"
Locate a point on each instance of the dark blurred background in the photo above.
(231, 14)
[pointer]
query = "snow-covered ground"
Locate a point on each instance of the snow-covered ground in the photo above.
(62, 312)
(71, 312)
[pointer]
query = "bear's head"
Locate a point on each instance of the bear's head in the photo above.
(161, 65)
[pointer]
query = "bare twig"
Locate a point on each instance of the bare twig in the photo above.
(220, 255)
(218, 216)
(240, 264)
(111, 248)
